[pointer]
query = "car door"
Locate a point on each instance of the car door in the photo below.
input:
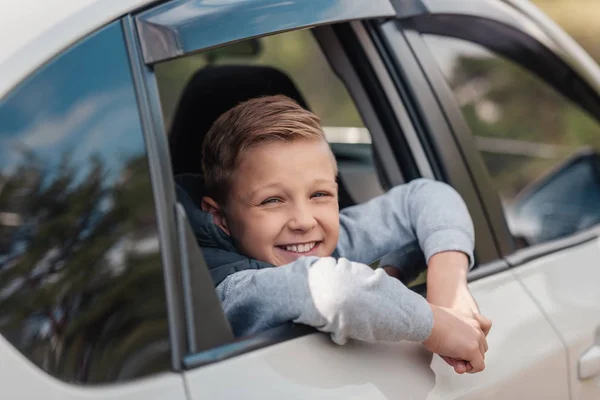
(522, 100)
(83, 300)
(297, 362)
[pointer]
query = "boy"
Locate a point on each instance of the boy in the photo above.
(271, 179)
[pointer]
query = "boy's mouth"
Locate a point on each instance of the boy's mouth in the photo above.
(299, 248)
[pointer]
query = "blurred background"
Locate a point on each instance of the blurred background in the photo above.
(580, 18)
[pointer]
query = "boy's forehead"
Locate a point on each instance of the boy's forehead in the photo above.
(280, 156)
(293, 149)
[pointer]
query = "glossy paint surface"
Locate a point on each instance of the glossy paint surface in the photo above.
(567, 286)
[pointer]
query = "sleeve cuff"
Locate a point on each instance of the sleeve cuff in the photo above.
(449, 240)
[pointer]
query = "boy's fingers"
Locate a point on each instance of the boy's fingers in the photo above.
(478, 365)
(484, 323)
(449, 360)
(460, 366)
(483, 346)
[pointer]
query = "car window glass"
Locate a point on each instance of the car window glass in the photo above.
(539, 147)
(298, 56)
(81, 281)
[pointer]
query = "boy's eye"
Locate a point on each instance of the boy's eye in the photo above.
(270, 200)
(320, 194)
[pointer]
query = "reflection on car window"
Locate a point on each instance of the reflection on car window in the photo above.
(531, 138)
(81, 282)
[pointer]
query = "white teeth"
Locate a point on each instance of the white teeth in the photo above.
(301, 248)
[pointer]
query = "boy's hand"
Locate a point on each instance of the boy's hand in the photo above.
(458, 336)
(447, 287)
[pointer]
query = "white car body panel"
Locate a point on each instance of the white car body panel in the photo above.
(567, 286)
(20, 379)
(525, 358)
(59, 22)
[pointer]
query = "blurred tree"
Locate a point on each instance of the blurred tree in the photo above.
(76, 282)
(502, 100)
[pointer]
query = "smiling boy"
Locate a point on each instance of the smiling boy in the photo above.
(279, 249)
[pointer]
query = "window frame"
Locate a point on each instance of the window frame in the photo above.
(550, 51)
(188, 320)
(434, 131)
(159, 167)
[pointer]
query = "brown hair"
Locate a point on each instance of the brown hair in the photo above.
(249, 124)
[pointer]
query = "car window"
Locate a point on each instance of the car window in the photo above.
(81, 281)
(539, 147)
(297, 55)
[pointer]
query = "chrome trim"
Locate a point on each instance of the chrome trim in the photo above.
(184, 26)
(412, 138)
(162, 187)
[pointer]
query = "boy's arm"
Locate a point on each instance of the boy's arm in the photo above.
(347, 300)
(343, 298)
(422, 211)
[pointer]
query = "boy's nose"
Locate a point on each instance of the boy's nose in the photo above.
(302, 219)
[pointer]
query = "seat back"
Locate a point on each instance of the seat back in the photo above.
(211, 92)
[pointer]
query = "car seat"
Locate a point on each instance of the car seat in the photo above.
(209, 93)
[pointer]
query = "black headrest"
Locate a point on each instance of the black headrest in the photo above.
(211, 92)
(193, 185)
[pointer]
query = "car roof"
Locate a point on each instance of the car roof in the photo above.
(34, 31)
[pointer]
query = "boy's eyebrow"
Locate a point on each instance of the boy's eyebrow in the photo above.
(326, 181)
(277, 185)
(270, 185)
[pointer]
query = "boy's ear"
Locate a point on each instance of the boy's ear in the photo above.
(210, 206)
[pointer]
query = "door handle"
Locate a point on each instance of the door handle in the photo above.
(589, 362)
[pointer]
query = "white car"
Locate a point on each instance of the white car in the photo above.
(104, 293)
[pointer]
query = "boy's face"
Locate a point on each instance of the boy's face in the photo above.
(283, 202)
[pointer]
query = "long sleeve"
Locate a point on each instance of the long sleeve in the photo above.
(423, 211)
(340, 297)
